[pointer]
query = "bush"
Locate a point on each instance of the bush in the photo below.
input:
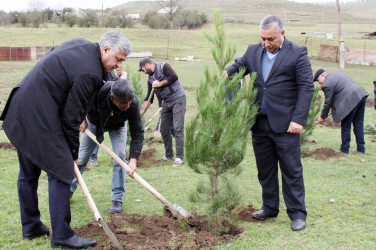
(70, 20)
(90, 20)
(159, 22)
(190, 19)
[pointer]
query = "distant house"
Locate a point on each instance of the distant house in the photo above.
(133, 16)
(371, 35)
(80, 12)
(167, 10)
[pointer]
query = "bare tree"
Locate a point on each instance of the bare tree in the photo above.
(36, 5)
(171, 9)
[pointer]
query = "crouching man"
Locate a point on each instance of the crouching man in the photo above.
(117, 104)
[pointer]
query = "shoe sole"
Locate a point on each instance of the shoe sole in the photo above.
(66, 247)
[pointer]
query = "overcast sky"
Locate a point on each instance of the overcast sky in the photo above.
(23, 5)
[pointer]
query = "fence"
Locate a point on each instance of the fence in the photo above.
(171, 46)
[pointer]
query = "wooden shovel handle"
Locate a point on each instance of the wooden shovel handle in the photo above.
(136, 176)
(151, 94)
(87, 194)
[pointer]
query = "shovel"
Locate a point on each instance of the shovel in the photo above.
(174, 208)
(94, 208)
(147, 123)
(146, 108)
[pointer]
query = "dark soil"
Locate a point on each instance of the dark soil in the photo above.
(331, 123)
(246, 214)
(7, 145)
(149, 159)
(153, 141)
(136, 231)
(324, 154)
(370, 103)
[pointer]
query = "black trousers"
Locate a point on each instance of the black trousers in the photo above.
(58, 193)
(270, 150)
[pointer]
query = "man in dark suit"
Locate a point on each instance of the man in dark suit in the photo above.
(347, 100)
(285, 89)
(42, 119)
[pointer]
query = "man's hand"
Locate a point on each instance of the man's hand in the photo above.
(295, 128)
(133, 165)
(76, 161)
(83, 126)
(156, 84)
(321, 120)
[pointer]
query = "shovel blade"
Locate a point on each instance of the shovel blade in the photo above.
(179, 211)
(109, 233)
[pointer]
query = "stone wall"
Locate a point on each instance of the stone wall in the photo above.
(352, 56)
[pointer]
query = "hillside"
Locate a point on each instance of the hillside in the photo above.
(251, 12)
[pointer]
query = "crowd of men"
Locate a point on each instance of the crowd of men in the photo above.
(72, 90)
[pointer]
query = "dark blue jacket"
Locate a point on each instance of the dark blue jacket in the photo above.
(289, 88)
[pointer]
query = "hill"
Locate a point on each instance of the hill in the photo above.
(251, 12)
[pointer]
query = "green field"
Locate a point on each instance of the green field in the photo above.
(347, 224)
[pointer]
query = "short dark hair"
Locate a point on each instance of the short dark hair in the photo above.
(122, 89)
(143, 62)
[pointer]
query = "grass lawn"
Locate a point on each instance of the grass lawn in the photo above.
(347, 224)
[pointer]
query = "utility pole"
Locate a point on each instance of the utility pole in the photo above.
(340, 38)
(102, 17)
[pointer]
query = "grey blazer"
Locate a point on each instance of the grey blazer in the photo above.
(342, 95)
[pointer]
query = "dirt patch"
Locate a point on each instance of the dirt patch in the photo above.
(7, 145)
(136, 231)
(324, 154)
(370, 103)
(246, 214)
(189, 89)
(331, 123)
(149, 159)
(153, 141)
(310, 142)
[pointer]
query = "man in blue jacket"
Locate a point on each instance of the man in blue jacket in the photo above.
(42, 119)
(117, 105)
(284, 92)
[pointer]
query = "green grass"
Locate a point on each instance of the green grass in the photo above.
(351, 181)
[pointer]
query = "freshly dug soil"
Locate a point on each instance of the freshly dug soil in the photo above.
(324, 154)
(331, 123)
(7, 145)
(136, 231)
(246, 214)
(149, 159)
(370, 103)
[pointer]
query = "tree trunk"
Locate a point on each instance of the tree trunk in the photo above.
(340, 38)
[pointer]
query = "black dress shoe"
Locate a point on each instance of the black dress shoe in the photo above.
(42, 230)
(262, 215)
(73, 242)
(298, 224)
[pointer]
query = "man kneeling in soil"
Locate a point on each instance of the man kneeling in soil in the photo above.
(117, 104)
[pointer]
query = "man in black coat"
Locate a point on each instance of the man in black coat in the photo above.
(284, 92)
(42, 119)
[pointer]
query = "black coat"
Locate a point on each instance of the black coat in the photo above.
(44, 110)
